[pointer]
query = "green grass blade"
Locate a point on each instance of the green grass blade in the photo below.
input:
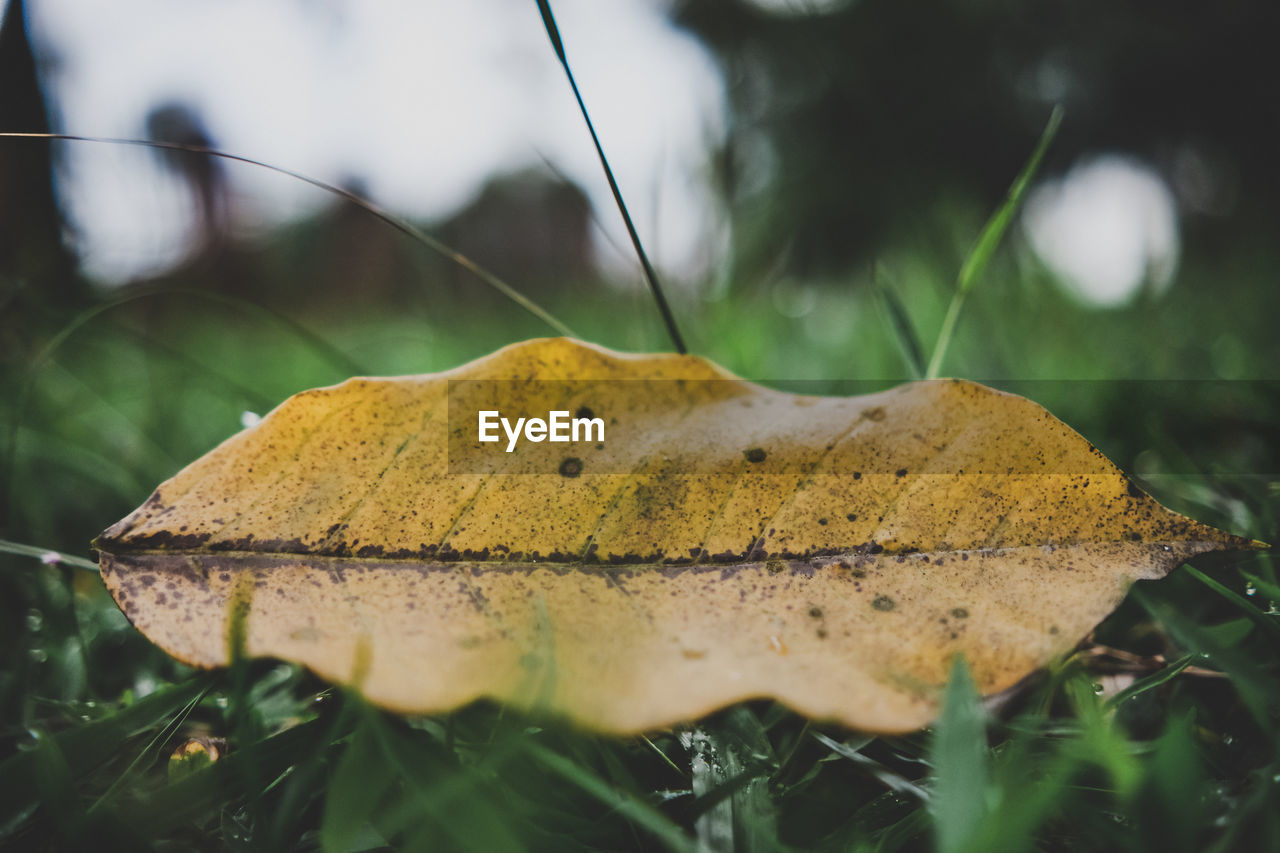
(899, 323)
(1257, 689)
(1170, 810)
(442, 802)
(148, 751)
(8, 463)
(206, 791)
(990, 237)
(1099, 741)
(1245, 605)
(1150, 682)
(713, 789)
(54, 786)
(671, 836)
(46, 555)
(1040, 783)
(92, 744)
(893, 781)
(666, 759)
(730, 768)
(959, 757)
(359, 783)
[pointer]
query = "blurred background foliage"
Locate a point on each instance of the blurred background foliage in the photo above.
(866, 143)
(872, 113)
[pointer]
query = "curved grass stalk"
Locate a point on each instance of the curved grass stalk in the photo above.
(396, 222)
(982, 251)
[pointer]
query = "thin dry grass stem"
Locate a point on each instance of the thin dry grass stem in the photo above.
(1103, 659)
(401, 225)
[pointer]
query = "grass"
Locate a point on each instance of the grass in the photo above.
(1129, 751)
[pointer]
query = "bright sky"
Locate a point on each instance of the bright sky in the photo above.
(421, 100)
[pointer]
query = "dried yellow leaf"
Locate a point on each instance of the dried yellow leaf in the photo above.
(724, 542)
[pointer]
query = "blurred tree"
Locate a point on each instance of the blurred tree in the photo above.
(851, 119)
(177, 123)
(525, 226)
(35, 268)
